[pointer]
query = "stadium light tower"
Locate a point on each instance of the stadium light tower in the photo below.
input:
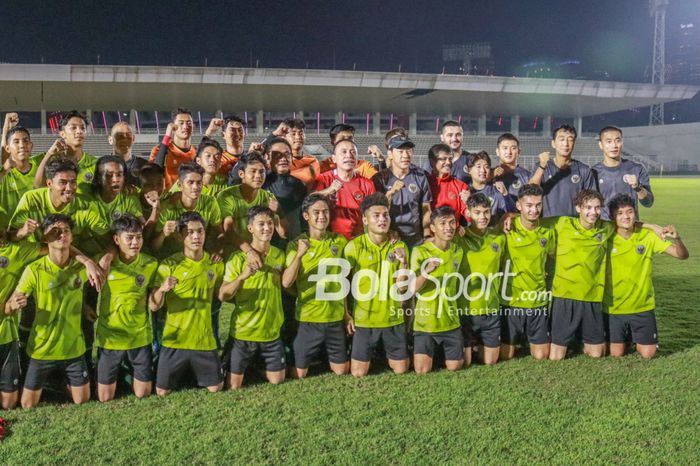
(657, 9)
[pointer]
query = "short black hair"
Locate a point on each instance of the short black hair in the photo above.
(17, 129)
(449, 123)
(126, 223)
(208, 142)
(442, 211)
(96, 184)
(586, 195)
(295, 123)
(150, 171)
(190, 216)
(566, 129)
(233, 118)
(269, 142)
(250, 157)
(530, 190)
(605, 129)
(50, 219)
(72, 114)
(187, 168)
(337, 129)
(179, 111)
(478, 200)
(436, 149)
(312, 199)
(58, 165)
(260, 210)
(620, 201)
(507, 137)
(374, 199)
(473, 158)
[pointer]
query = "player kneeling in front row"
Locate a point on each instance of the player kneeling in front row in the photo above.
(186, 283)
(437, 263)
(629, 301)
(123, 319)
(321, 321)
(256, 292)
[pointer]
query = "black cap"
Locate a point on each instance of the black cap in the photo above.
(399, 142)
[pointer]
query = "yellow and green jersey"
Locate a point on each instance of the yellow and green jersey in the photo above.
(485, 255)
(188, 323)
(374, 305)
(15, 183)
(172, 208)
(213, 189)
(123, 318)
(86, 164)
(58, 293)
(528, 251)
(14, 257)
(579, 272)
(108, 211)
(629, 287)
(436, 308)
(233, 205)
(258, 314)
(308, 307)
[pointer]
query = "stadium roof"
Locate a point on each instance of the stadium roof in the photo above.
(31, 87)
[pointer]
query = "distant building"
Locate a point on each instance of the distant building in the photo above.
(472, 59)
(685, 56)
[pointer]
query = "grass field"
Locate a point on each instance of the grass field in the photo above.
(598, 411)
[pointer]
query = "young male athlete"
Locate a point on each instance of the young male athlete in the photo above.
(232, 129)
(176, 147)
(209, 158)
(304, 166)
(479, 166)
(509, 171)
(18, 170)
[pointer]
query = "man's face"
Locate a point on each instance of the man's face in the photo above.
(508, 152)
(377, 219)
(262, 227)
(122, 138)
(58, 235)
(345, 155)
(234, 133)
(64, 186)
(563, 143)
(318, 216)
(19, 145)
(530, 207)
(589, 212)
(253, 175)
(129, 243)
(480, 171)
(280, 158)
(452, 136)
(444, 227)
(625, 217)
(402, 157)
(344, 136)
(113, 178)
(296, 138)
(481, 216)
(191, 185)
(611, 144)
(193, 236)
(74, 132)
(210, 160)
(184, 124)
(443, 164)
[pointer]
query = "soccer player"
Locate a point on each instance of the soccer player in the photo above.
(152, 186)
(121, 138)
(343, 132)
(345, 189)
(70, 144)
(256, 292)
(123, 320)
(629, 301)
(406, 186)
(479, 166)
(304, 166)
(18, 171)
(446, 190)
(186, 283)
(56, 340)
(321, 322)
(176, 147)
(436, 316)
(616, 175)
(232, 129)
(509, 172)
(452, 134)
(11, 120)
(209, 158)
(530, 243)
(485, 250)
(562, 178)
(377, 318)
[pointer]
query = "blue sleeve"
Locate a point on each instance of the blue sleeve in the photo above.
(589, 180)
(425, 189)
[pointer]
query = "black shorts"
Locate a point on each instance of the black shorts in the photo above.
(173, 363)
(109, 361)
(240, 353)
(482, 330)
(452, 342)
(366, 341)
(39, 370)
(639, 328)
(518, 322)
(312, 336)
(569, 316)
(9, 371)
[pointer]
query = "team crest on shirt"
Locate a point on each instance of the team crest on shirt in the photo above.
(312, 254)
(495, 247)
(334, 250)
(466, 169)
(77, 283)
(116, 215)
(88, 176)
(543, 242)
(4, 262)
(140, 280)
(413, 188)
(491, 200)
(452, 196)
(455, 265)
(278, 268)
(357, 196)
(210, 275)
(391, 257)
(517, 184)
(599, 237)
(575, 179)
(641, 249)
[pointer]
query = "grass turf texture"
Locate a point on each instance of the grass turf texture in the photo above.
(612, 410)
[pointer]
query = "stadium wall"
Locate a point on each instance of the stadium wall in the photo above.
(676, 146)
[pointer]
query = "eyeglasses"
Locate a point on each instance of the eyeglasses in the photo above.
(276, 154)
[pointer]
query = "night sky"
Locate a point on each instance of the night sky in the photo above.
(612, 35)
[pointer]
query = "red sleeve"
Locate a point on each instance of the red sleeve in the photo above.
(321, 182)
(368, 187)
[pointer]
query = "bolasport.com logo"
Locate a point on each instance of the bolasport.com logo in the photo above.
(333, 283)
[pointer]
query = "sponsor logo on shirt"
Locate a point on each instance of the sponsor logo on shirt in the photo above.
(4, 262)
(140, 280)
(641, 249)
(575, 179)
